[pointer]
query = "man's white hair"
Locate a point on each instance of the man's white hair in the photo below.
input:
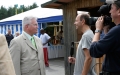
(27, 20)
(18, 32)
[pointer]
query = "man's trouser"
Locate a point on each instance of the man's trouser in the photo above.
(108, 73)
(46, 56)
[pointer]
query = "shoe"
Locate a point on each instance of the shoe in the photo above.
(47, 65)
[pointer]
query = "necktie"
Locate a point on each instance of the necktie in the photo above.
(33, 42)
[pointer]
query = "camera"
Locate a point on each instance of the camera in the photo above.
(103, 11)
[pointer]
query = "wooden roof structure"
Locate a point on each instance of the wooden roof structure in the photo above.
(59, 3)
(55, 3)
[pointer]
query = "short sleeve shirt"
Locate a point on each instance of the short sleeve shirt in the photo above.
(44, 37)
(85, 42)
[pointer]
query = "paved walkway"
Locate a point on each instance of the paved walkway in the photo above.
(56, 67)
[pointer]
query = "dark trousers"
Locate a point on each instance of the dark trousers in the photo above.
(109, 73)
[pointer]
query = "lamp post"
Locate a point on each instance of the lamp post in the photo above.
(16, 5)
(21, 7)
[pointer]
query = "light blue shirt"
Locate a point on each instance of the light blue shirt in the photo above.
(28, 36)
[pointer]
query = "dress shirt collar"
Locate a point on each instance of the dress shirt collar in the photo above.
(28, 36)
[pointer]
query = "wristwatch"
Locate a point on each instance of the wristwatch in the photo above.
(98, 31)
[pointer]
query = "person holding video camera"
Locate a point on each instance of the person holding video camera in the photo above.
(110, 44)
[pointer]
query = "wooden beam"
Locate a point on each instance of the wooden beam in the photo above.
(55, 3)
(82, 3)
(54, 25)
(69, 35)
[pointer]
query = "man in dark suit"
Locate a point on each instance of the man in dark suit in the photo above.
(9, 36)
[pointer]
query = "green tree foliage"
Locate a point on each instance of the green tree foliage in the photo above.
(33, 6)
(10, 11)
(25, 8)
(4, 12)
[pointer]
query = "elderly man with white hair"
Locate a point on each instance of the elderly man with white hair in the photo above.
(17, 34)
(27, 51)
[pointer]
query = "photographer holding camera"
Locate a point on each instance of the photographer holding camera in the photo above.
(110, 44)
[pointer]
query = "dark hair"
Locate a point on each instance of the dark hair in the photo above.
(117, 4)
(85, 17)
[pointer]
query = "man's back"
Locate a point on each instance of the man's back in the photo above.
(6, 64)
(109, 45)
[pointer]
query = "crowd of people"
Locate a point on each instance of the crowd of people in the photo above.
(24, 54)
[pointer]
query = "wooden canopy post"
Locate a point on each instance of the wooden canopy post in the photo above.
(70, 35)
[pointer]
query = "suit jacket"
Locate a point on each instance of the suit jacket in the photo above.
(6, 64)
(26, 58)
